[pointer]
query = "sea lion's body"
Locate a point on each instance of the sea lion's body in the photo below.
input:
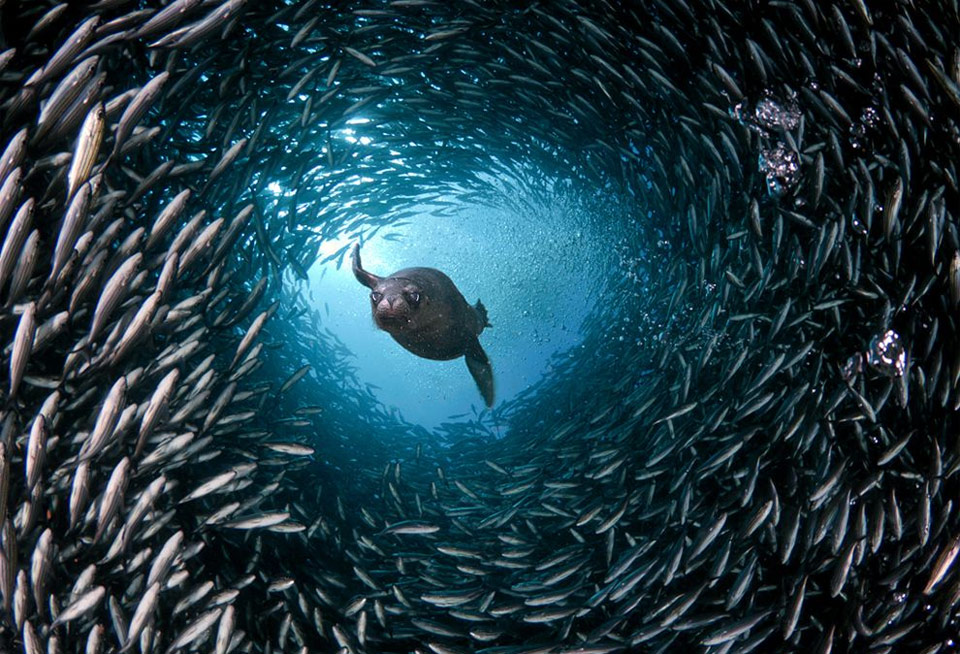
(445, 326)
(426, 314)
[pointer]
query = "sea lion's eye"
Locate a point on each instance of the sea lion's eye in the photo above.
(414, 297)
(376, 297)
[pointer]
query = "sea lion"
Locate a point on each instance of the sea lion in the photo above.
(425, 313)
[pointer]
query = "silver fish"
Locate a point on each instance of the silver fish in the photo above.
(65, 95)
(164, 558)
(294, 449)
(79, 492)
(143, 613)
(167, 218)
(210, 486)
(228, 158)
(225, 630)
(9, 194)
(40, 567)
(73, 223)
(200, 246)
(6, 576)
(112, 496)
(15, 237)
(12, 155)
(137, 329)
(248, 338)
(191, 34)
(258, 522)
(137, 109)
(36, 450)
(199, 628)
(106, 419)
(5, 57)
(63, 57)
(113, 292)
(23, 342)
(31, 642)
(139, 511)
(81, 606)
(166, 18)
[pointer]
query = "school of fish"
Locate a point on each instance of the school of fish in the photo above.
(765, 460)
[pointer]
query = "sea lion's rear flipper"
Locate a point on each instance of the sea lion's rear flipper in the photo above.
(367, 279)
(479, 366)
(482, 312)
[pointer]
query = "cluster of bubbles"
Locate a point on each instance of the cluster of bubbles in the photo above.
(885, 354)
(781, 166)
(770, 118)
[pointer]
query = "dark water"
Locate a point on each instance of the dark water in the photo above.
(718, 245)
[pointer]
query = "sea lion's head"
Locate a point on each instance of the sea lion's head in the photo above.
(395, 302)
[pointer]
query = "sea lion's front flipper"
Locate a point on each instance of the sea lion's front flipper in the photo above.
(479, 366)
(367, 279)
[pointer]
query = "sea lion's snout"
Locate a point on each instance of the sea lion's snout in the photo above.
(392, 310)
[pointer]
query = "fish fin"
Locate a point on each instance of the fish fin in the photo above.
(481, 370)
(482, 310)
(367, 279)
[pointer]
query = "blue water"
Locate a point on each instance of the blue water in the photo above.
(535, 268)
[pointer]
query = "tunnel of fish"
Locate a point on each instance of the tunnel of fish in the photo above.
(766, 462)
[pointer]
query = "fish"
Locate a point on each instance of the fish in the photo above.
(190, 34)
(106, 419)
(249, 337)
(81, 606)
(62, 58)
(40, 566)
(412, 527)
(70, 230)
(258, 522)
(294, 449)
(210, 486)
(86, 150)
(136, 109)
(138, 327)
(145, 607)
(113, 293)
(165, 220)
(196, 629)
(15, 238)
(201, 245)
(144, 503)
(225, 630)
(226, 159)
(294, 378)
(23, 341)
(9, 193)
(36, 450)
(112, 496)
(166, 18)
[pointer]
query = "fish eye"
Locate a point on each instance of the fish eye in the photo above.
(376, 297)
